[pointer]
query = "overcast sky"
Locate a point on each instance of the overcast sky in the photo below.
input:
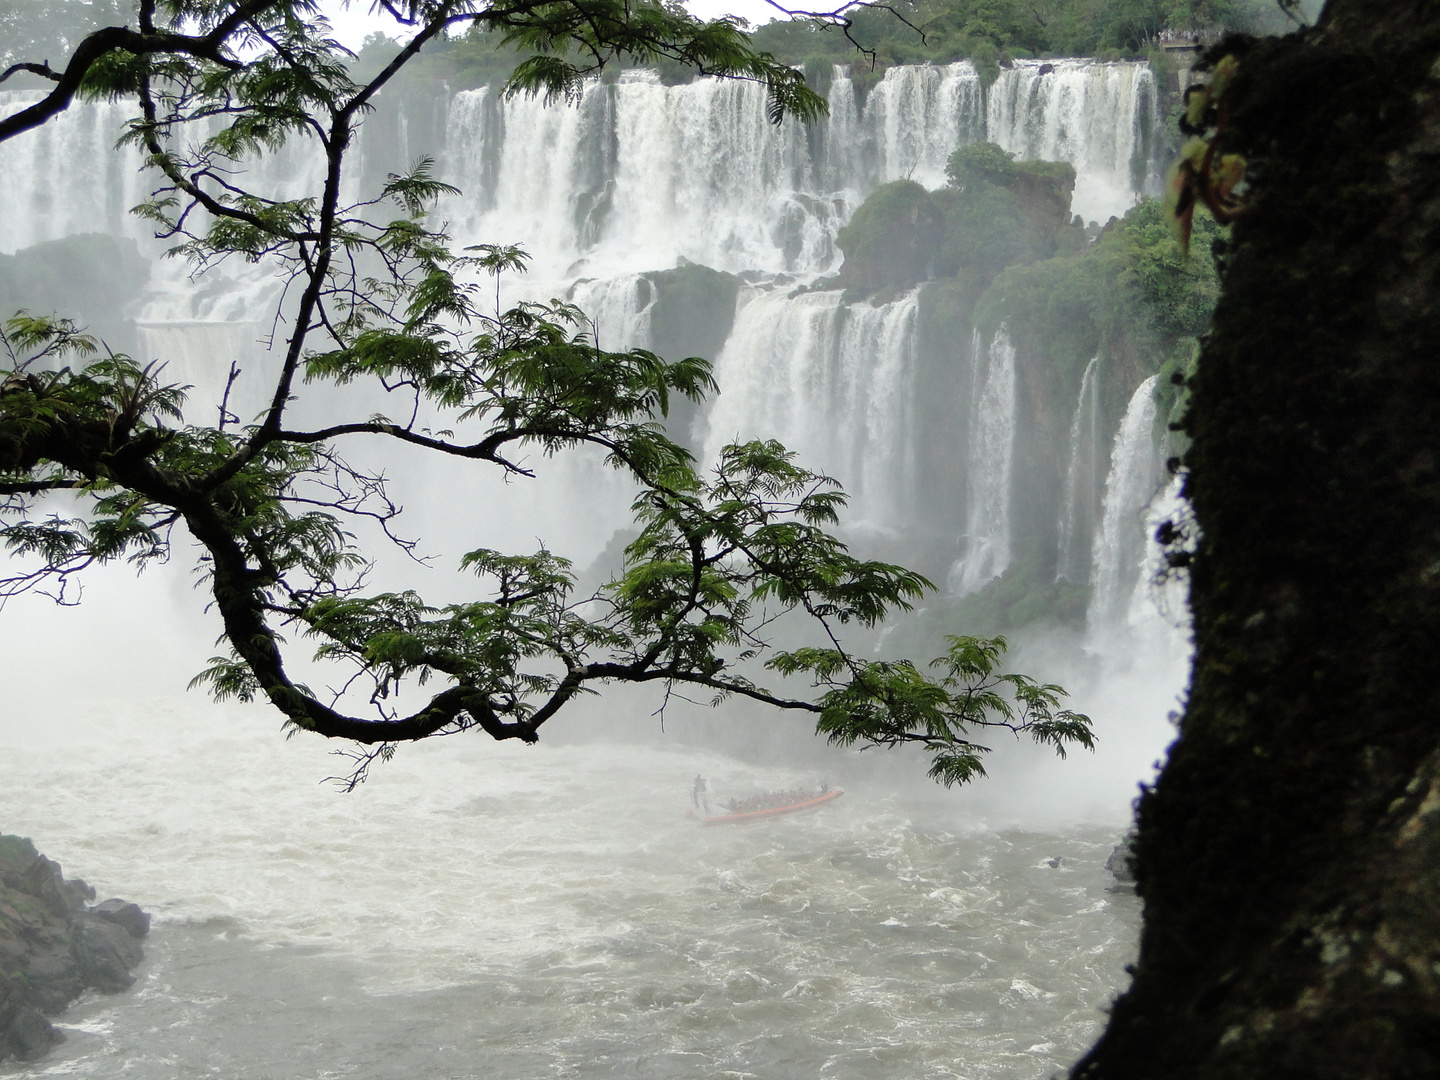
(353, 21)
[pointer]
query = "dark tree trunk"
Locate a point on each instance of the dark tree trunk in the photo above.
(1289, 855)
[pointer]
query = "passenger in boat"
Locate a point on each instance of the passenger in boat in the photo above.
(699, 795)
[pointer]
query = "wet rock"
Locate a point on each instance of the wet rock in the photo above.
(52, 977)
(53, 947)
(43, 880)
(123, 913)
(105, 952)
(1120, 864)
(27, 1034)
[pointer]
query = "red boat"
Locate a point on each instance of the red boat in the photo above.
(808, 801)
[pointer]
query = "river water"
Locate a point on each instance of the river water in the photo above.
(484, 910)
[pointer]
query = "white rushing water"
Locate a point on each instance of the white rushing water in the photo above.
(1099, 117)
(1120, 544)
(831, 381)
(638, 174)
(992, 453)
(484, 910)
(1076, 526)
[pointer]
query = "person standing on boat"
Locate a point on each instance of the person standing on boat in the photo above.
(699, 795)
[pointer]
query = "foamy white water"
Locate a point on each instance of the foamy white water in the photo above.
(496, 910)
(1076, 524)
(992, 452)
(1121, 543)
(832, 381)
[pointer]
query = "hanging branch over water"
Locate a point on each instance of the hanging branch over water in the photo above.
(378, 296)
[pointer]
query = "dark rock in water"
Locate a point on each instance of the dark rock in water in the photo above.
(123, 913)
(53, 947)
(1120, 864)
(106, 952)
(30, 1035)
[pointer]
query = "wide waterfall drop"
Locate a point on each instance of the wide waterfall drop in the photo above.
(511, 911)
(1119, 549)
(636, 175)
(916, 116)
(992, 452)
(1101, 118)
(833, 382)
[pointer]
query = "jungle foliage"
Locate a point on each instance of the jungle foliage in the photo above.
(103, 460)
(989, 32)
(992, 32)
(1002, 228)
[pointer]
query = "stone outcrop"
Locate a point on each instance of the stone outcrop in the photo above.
(55, 945)
(1121, 865)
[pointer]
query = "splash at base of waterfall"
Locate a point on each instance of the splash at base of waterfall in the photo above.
(487, 910)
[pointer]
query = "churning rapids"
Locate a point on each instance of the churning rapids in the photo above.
(496, 911)
(499, 911)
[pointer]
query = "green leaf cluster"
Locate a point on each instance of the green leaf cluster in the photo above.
(888, 703)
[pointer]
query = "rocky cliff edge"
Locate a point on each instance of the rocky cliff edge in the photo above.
(54, 945)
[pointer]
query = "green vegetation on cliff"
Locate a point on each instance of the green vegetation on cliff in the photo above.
(997, 212)
(1133, 285)
(992, 32)
(1000, 230)
(1000, 249)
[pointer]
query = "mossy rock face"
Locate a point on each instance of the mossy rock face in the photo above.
(1000, 212)
(89, 270)
(893, 239)
(16, 855)
(694, 310)
(92, 278)
(692, 315)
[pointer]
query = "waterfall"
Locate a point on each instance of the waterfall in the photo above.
(1158, 595)
(1120, 545)
(992, 453)
(1076, 527)
(916, 116)
(831, 381)
(474, 137)
(637, 175)
(618, 309)
(1099, 117)
(100, 184)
